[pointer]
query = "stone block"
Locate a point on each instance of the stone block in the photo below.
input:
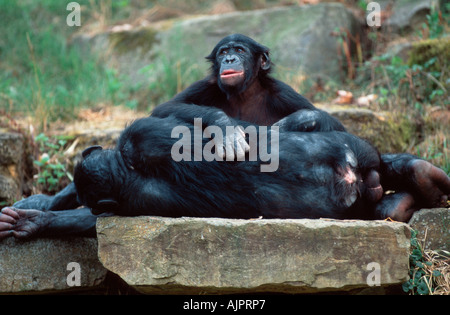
(42, 265)
(159, 255)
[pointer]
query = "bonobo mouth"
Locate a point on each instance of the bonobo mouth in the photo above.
(230, 73)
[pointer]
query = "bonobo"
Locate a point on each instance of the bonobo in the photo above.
(320, 175)
(240, 88)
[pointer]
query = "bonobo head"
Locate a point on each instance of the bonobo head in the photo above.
(95, 181)
(237, 61)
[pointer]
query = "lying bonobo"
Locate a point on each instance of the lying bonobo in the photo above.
(140, 177)
(317, 174)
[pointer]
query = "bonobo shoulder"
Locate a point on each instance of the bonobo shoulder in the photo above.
(285, 94)
(205, 89)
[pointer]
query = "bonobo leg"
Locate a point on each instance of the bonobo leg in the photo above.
(429, 185)
(29, 223)
(417, 184)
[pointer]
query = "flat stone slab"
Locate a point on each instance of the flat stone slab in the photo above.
(46, 265)
(159, 255)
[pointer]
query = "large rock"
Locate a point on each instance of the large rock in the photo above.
(407, 15)
(42, 265)
(300, 37)
(11, 168)
(388, 132)
(433, 227)
(194, 255)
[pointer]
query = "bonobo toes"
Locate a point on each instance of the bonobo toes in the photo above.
(374, 191)
(430, 182)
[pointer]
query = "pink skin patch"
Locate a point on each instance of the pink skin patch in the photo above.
(231, 77)
(349, 176)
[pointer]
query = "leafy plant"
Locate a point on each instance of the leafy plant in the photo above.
(422, 277)
(434, 28)
(52, 174)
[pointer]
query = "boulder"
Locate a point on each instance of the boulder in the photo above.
(433, 227)
(301, 38)
(388, 132)
(407, 15)
(11, 173)
(43, 265)
(9, 189)
(220, 256)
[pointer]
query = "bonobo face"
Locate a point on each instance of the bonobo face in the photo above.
(94, 180)
(237, 62)
(232, 58)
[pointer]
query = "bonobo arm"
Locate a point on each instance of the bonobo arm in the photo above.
(234, 143)
(63, 200)
(77, 222)
(309, 120)
(29, 223)
(211, 116)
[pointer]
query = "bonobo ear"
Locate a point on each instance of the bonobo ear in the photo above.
(89, 150)
(265, 61)
(107, 203)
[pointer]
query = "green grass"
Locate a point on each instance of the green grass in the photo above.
(39, 71)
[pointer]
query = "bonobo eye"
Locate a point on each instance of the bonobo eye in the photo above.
(224, 51)
(240, 50)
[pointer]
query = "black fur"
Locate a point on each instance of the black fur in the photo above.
(275, 99)
(308, 183)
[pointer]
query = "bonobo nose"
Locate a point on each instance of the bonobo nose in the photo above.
(230, 59)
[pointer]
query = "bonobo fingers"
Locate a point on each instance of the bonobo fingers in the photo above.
(240, 144)
(20, 223)
(9, 214)
(8, 218)
(234, 145)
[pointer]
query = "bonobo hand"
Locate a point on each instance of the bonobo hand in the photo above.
(20, 223)
(232, 145)
(309, 120)
(302, 120)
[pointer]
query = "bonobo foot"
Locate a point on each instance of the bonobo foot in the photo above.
(21, 223)
(432, 183)
(399, 207)
(429, 186)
